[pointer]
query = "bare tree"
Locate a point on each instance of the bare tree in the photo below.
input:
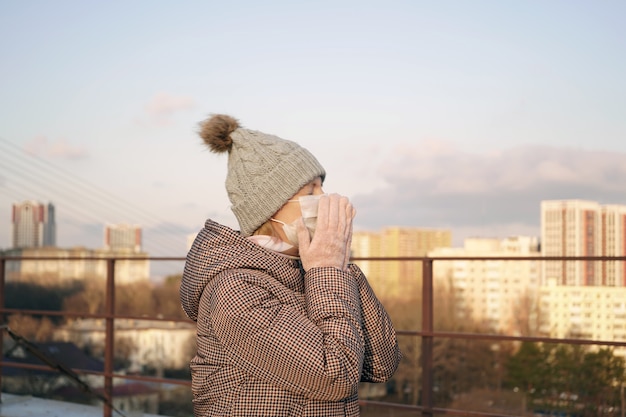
(527, 317)
(90, 300)
(32, 328)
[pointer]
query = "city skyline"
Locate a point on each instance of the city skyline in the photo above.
(130, 235)
(441, 115)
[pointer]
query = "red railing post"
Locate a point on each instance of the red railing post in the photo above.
(427, 338)
(109, 337)
(2, 268)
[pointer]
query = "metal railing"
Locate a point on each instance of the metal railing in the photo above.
(427, 333)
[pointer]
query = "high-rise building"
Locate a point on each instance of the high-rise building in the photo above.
(33, 225)
(122, 237)
(399, 279)
(583, 228)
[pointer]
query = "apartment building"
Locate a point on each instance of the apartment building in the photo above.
(158, 344)
(501, 294)
(33, 225)
(583, 228)
(396, 279)
(122, 238)
(587, 312)
(51, 265)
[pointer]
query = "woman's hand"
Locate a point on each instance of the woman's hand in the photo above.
(330, 245)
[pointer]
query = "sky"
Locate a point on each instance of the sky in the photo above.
(456, 115)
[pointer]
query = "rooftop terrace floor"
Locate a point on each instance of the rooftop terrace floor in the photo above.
(26, 406)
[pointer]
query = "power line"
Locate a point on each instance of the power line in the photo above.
(83, 201)
(92, 190)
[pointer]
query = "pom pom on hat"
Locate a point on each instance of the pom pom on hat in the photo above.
(264, 171)
(216, 130)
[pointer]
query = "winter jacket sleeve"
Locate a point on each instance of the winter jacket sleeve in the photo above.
(317, 353)
(382, 354)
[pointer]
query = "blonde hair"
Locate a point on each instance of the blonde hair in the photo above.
(266, 229)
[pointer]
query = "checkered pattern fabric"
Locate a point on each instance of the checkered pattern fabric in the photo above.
(274, 341)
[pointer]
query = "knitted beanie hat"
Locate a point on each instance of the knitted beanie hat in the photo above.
(264, 171)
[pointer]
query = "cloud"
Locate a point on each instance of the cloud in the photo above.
(435, 185)
(163, 106)
(59, 149)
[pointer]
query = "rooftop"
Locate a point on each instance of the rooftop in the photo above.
(26, 406)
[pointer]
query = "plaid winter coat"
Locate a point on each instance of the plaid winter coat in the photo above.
(275, 341)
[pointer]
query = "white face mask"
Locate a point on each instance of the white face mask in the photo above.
(308, 208)
(270, 242)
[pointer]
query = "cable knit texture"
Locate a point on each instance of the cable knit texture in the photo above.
(264, 171)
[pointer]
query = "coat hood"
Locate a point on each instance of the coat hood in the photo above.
(218, 248)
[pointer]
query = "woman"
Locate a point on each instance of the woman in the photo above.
(285, 325)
